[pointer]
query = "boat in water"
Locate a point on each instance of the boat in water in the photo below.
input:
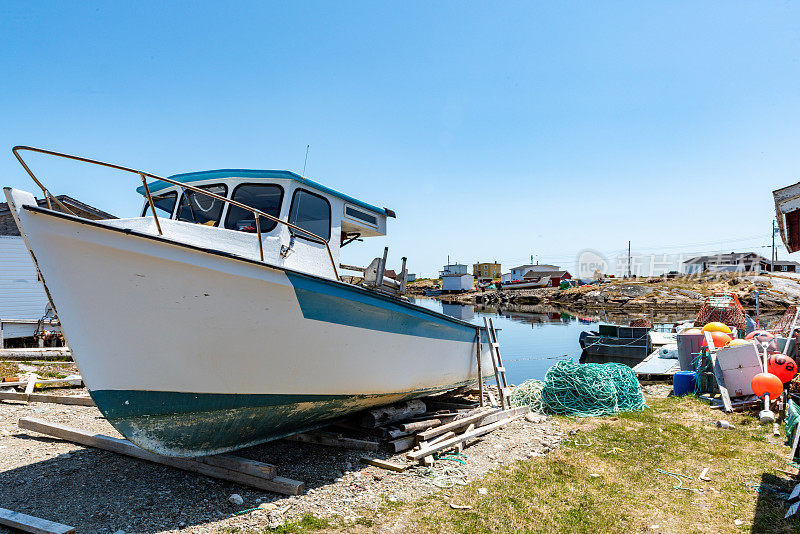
(218, 320)
(612, 343)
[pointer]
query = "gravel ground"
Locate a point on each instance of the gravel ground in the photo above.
(99, 491)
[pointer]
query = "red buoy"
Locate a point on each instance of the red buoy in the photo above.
(781, 366)
(766, 383)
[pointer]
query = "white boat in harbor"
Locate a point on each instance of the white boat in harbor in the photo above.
(217, 320)
(529, 283)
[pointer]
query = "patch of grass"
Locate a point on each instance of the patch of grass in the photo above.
(51, 374)
(606, 479)
(307, 523)
(8, 369)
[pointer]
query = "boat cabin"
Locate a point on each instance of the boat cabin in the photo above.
(336, 218)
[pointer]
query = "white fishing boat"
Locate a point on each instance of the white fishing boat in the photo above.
(217, 320)
(787, 211)
(528, 283)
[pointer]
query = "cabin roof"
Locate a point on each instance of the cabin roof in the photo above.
(254, 173)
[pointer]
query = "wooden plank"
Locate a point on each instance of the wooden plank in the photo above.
(482, 418)
(248, 472)
(28, 523)
(448, 443)
(402, 444)
(31, 384)
(331, 439)
(74, 400)
(389, 414)
(384, 464)
(420, 425)
(71, 381)
(447, 405)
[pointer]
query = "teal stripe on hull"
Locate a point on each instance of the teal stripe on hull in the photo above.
(331, 302)
(198, 424)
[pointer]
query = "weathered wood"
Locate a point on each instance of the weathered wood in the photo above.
(31, 383)
(420, 425)
(74, 400)
(723, 391)
(28, 523)
(480, 368)
(225, 467)
(448, 405)
(437, 439)
(334, 440)
(28, 384)
(389, 414)
(457, 424)
(402, 444)
(448, 443)
(384, 464)
(396, 433)
(35, 354)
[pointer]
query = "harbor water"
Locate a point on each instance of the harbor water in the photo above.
(530, 343)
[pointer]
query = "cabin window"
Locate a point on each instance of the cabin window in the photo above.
(164, 204)
(311, 212)
(202, 209)
(264, 197)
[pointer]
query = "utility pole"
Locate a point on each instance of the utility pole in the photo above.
(772, 262)
(629, 259)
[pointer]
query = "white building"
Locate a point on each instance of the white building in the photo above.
(457, 282)
(517, 273)
(453, 268)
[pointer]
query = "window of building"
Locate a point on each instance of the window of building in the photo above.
(202, 209)
(164, 205)
(784, 267)
(264, 197)
(311, 212)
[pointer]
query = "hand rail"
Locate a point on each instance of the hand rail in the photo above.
(144, 175)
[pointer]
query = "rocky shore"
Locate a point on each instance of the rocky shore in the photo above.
(775, 292)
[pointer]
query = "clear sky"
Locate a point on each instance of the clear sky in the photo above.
(495, 130)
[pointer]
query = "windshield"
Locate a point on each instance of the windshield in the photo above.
(201, 209)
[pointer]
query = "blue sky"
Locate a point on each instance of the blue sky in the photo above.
(496, 131)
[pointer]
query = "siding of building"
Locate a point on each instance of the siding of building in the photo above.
(486, 270)
(21, 294)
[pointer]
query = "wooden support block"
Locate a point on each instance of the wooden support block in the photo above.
(402, 444)
(492, 399)
(384, 464)
(28, 523)
(36, 382)
(389, 414)
(75, 400)
(331, 439)
(420, 425)
(222, 466)
(448, 443)
(396, 433)
(448, 405)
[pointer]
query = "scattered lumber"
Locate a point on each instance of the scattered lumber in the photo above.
(384, 464)
(35, 354)
(28, 523)
(448, 443)
(402, 444)
(222, 466)
(420, 425)
(478, 414)
(332, 439)
(75, 400)
(390, 414)
(75, 381)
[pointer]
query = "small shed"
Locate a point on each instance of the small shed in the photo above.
(457, 282)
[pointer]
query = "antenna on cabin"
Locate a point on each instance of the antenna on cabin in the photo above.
(305, 161)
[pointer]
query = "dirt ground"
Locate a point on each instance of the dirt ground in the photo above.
(99, 491)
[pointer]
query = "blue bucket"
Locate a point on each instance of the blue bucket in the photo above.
(684, 383)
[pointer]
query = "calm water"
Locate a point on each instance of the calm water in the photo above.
(530, 343)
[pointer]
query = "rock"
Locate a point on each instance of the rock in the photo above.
(483, 491)
(738, 522)
(236, 499)
(275, 519)
(535, 418)
(268, 506)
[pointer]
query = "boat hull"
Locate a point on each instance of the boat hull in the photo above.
(189, 352)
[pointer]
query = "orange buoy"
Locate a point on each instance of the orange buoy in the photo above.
(760, 336)
(717, 327)
(720, 339)
(766, 383)
(781, 366)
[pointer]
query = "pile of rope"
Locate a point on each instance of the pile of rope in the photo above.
(582, 390)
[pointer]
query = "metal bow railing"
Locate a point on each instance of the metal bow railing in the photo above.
(144, 175)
